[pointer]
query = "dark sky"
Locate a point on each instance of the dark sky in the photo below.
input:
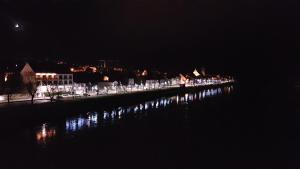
(234, 36)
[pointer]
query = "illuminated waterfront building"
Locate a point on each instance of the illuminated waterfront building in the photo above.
(45, 77)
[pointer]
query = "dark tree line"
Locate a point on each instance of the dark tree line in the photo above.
(11, 85)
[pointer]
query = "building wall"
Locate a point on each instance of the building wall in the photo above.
(54, 79)
(28, 75)
(65, 79)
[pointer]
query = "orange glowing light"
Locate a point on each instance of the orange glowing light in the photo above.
(106, 78)
(145, 73)
(43, 135)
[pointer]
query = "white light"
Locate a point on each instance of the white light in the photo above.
(152, 104)
(17, 25)
(45, 74)
(2, 98)
(161, 102)
(141, 107)
(186, 97)
(105, 115)
(136, 109)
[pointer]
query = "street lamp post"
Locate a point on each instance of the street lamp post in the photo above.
(5, 78)
(7, 88)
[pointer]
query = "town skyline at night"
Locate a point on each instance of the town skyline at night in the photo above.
(149, 84)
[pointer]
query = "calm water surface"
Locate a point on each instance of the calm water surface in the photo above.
(214, 128)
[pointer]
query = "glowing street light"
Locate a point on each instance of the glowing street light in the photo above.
(5, 78)
(106, 78)
(17, 25)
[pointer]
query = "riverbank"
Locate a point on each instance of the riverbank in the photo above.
(22, 113)
(44, 102)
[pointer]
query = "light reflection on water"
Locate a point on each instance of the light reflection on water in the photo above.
(45, 133)
(95, 119)
(77, 123)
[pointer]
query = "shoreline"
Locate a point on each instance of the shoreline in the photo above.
(45, 101)
(26, 115)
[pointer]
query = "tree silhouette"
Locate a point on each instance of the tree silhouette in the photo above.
(31, 89)
(52, 91)
(12, 85)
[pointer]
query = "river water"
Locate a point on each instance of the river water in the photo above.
(212, 128)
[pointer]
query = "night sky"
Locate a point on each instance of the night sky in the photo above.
(249, 38)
